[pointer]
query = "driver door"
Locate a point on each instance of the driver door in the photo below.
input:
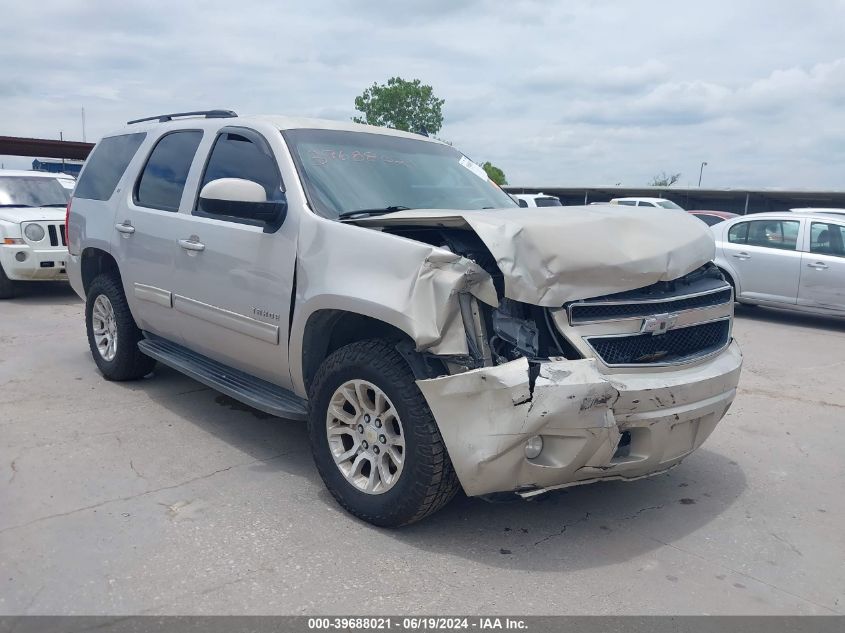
(233, 279)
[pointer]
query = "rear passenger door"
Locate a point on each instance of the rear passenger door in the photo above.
(823, 267)
(234, 281)
(764, 255)
(146, 222)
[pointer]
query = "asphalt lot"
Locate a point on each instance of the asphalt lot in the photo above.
(163, 496)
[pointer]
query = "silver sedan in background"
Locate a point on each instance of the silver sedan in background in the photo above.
(785, 260)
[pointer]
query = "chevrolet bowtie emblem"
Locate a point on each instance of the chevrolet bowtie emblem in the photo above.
(659, 323)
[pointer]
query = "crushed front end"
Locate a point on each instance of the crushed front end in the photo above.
(619, 386)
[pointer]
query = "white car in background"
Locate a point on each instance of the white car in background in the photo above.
(33, 246)
(526, 200)
(785, 260)
(646, 202)
(822, 210)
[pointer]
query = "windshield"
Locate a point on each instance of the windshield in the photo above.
(31, 191)
(668, 204)
(344, 172)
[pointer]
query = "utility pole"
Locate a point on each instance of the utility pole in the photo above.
(62, 138)
(83, 124)
(700, 172)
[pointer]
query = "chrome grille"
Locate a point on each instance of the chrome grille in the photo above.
(586, 312)
(675, 346)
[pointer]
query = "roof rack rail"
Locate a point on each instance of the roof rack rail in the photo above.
(208, 114)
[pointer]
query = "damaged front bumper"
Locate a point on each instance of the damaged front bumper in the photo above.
(593, 426)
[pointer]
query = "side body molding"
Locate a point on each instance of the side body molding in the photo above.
(225, 318)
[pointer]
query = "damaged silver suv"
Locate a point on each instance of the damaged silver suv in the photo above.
(376, 283)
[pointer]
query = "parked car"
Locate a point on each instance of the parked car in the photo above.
(785, 260)
(32, 229)
(710, 217)
(377, 284)
(536, 200)
(646, 202)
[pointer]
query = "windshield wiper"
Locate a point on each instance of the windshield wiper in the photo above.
(55, 204)
(27, 206)
(369, 213)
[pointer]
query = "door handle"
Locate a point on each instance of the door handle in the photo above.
(192, 244)
(742, 255)
(819, 266)
(126, 228)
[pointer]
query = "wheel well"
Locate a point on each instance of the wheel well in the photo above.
(329, 330)
(96, 262)
(729, 279)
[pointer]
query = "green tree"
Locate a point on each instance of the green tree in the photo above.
(494, 173)
(664, 180)
(400, 104)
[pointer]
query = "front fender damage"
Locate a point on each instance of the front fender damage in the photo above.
(486, 415)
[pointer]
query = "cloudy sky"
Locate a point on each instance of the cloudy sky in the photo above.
(583, 92)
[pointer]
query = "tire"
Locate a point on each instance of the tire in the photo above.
(125, 361)
(426, 480)
(7, 286)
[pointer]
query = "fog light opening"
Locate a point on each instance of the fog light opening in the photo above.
(623, 449)
(533, 447)
(20, 256)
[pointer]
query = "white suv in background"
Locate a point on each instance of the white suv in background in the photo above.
(646, 202)
(32, 228)
(536, 200)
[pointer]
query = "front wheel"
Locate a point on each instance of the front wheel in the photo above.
(374, 440)
(113, 334)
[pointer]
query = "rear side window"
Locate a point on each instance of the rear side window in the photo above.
(627, 203)
(243, 154)
(106, 165)
(163, 179)
(827, 239)
(646, 204)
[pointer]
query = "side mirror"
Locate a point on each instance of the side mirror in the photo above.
(245, 199)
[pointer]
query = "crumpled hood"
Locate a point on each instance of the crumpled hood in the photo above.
(32, 214)
(552, 255)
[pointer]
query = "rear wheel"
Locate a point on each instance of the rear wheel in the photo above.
(374, 439)
(113, 334)
(7, 286)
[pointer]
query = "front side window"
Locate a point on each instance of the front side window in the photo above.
(32, 191)
(245, 155)
(782, 234)
(643, 203)
(344, 172)
(827, 239)
(627, 203)
(106, 165)
(163, 179)
(548, 202)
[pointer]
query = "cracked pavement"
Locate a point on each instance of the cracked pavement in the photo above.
(165, 497)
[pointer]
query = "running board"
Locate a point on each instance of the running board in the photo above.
(255, 392)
